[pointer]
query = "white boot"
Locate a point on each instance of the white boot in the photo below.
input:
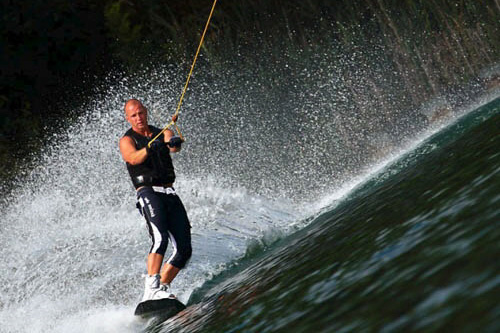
(154, 290)
(152, 284)
(164, 292)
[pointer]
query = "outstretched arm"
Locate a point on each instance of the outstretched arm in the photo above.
(129, 153)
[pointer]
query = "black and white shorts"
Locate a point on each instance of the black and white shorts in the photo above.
(166, 219)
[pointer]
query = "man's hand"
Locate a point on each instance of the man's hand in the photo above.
(175, 141)
(155, 145)
(174, 118)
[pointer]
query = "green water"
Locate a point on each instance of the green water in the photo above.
(416, 248)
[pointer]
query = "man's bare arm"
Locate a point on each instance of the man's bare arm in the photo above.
(167, 135)
(129, 153)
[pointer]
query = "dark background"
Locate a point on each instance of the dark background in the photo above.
(55, 51)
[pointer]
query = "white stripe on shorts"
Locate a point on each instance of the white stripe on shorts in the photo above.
(156, 237)
(174, 245)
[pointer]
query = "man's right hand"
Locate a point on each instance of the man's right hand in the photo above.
(155, 145)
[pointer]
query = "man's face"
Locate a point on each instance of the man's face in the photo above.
(137, 116)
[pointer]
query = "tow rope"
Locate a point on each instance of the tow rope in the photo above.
(172, 122)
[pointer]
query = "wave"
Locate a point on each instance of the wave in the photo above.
(412, 249)
(254, 169)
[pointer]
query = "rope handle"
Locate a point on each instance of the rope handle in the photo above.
(187, 81)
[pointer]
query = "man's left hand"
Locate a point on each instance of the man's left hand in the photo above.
(175, 141)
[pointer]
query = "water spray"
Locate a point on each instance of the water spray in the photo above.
(174, 117)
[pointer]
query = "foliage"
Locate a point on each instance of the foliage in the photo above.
(44, 45)
(49, 47)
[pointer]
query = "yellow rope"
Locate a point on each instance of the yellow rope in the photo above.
(188, 78)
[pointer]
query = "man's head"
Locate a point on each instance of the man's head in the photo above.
(136, 114)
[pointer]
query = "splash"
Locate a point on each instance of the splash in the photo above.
(262, 150)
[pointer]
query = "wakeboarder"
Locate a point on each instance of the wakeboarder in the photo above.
(152, 173)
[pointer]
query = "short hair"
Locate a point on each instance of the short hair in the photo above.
(133, 101)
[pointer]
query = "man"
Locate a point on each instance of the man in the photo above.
(153, 175)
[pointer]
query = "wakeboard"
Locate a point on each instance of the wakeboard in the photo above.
(164, 308)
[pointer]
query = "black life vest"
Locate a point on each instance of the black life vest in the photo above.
(157, 169)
